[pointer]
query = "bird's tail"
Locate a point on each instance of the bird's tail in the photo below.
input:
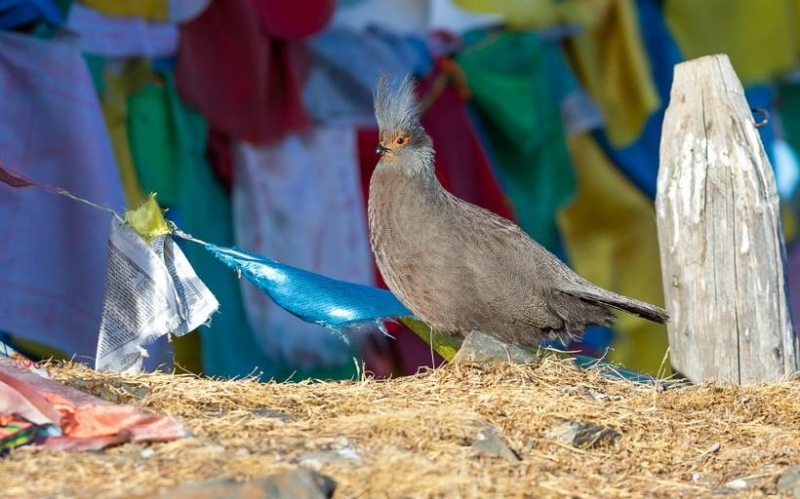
(619, 302)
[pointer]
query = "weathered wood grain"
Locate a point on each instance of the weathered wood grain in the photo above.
(720, 234)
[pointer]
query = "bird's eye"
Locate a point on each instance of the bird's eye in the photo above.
(400, 141)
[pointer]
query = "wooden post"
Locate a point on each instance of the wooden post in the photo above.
(720, 233)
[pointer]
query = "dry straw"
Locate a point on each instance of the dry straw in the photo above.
(413, 435)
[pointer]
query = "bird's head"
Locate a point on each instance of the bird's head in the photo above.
(401, 134)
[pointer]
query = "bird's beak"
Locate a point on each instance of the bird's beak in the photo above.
(379, 150)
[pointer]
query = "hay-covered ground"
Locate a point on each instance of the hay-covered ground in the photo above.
(412, 437)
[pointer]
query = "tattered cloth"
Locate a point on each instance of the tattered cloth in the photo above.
(68, 419)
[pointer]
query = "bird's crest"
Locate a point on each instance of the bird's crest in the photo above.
(396, 109)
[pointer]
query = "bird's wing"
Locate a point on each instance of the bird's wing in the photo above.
(497, 235)
(502, 265)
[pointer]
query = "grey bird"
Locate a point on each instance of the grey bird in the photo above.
(459, 267)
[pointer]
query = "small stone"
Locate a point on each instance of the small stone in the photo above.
(599, 396)
(109, 395)
(299, 484)
(715, 447)
(294, 484)
(738, 484)
(482, 349)
(118, 392)
(490, 442)
(266, 412)
(790, 481)
(137, 391)
(342, 452)
(580, 434)
(147, 453)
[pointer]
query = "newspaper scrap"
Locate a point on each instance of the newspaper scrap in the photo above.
(151, 290)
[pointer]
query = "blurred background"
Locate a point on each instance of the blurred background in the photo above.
(252, 121)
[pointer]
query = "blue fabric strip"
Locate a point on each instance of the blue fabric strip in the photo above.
(312, 297)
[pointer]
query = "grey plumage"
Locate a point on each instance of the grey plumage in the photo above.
(460, 267)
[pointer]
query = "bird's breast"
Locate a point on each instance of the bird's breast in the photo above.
(401, 228)
(393, 212)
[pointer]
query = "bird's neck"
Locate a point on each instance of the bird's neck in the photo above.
(417, 164)
(425, 161)
(410, 183)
